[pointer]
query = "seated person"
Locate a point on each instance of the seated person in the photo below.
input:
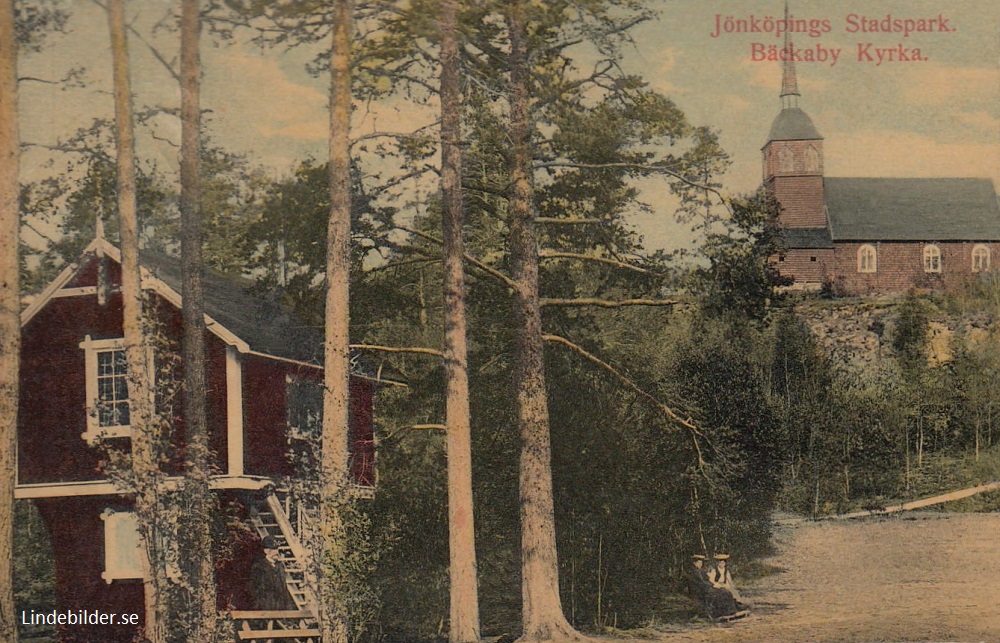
(698, 584)
(723, 599)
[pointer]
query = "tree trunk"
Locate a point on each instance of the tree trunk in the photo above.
(461, 536)
(333, 465)
(198, 533)
(542, 615)
(10, 311)
(144, 461)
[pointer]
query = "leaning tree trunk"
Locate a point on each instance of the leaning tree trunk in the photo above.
(336, 358)
(144, 459)
(10, 311)
(198, 532)
(461, 537)
(542, 616)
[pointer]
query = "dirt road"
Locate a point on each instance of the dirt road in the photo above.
(910, 577)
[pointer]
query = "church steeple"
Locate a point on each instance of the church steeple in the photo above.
(793, 154)
(789, 81)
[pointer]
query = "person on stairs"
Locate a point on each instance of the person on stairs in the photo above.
(270, 580)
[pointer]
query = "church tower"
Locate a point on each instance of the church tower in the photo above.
(793, 156)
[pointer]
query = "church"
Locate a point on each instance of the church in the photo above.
(863, 236)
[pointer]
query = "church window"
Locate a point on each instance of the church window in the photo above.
(812, 159)
(932, 258)
(867, 259)
(980, 258)
(786, 159)
(122, 546)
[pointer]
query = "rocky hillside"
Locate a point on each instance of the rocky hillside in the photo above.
(858, 332)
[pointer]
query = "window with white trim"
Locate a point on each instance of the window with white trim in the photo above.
(867, 259)
(108, 412)
(980, 258)
(122, 546)
(932, 258)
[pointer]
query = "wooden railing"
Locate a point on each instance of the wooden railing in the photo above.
(275, 626)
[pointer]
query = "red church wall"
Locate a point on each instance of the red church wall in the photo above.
(901, 267)
(800, 154)
(801, 198)
(806, 266)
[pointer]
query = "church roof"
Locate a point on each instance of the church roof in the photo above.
(806, 238)
(912, 209)
(792, 124)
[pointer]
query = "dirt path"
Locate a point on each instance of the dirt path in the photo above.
(910, 577)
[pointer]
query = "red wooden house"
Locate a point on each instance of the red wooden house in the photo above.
(263, 386)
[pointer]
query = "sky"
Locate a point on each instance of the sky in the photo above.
(937, 116)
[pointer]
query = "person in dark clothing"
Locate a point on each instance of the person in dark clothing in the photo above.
(723, 599)
(269, 580)
(698, 583)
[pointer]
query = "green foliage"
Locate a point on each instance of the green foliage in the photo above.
(34, 22)
(34, 564)
(740, 281)
(909, 339)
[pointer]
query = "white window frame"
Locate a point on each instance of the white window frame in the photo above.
(120, 563)
(867, 259)
(91, 348)
(981, 252)
(932, 258)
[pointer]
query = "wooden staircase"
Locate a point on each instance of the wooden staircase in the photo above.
(280, 516)
(276, 626)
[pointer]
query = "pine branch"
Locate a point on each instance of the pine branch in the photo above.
(687, 423)
(552, 254)
(606, 303)
(644, 168)
(153, 50)
(414, 135)
(559, 221)
(475, 262)
(403, 430)
(418, 350)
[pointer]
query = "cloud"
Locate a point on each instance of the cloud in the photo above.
(937, 84)
(893, 153)
(980, 120)
(259, 95)
(736, 103)
(668, 60)
(768, 74)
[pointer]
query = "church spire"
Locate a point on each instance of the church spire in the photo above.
(789, 81)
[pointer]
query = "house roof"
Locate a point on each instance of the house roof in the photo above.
(252, 321)
(792, 124)
(807, 238)
(912, 209)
